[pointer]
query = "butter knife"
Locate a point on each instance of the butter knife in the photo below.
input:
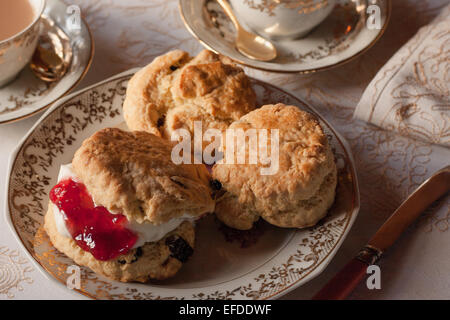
(355, 271)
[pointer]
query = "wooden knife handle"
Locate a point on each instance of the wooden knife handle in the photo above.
(344, 282)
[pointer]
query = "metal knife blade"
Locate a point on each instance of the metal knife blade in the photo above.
(428, 192)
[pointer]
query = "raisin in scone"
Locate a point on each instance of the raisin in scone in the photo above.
(123, 209)
(299, 194)
(175, 90)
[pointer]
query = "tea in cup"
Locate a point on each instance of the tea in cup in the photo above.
(19, 35)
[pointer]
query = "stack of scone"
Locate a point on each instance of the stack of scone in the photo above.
(124, 209)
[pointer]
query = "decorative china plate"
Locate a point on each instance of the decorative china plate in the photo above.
(278, 261)
(342, 37)
(28, 95)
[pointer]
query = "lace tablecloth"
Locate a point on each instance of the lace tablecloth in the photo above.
(132, 33)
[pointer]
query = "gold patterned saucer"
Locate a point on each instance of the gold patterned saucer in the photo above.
(279, 261)
(27, 95)
(343, 36)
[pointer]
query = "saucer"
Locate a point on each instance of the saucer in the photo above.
(342, 37)
(27, 94)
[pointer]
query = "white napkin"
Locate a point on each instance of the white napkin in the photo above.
(410, 94)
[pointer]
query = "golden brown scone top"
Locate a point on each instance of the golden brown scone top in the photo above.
(175, 90)
(132, 173)
(289, 198)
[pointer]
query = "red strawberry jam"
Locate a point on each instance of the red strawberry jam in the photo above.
(95, 229)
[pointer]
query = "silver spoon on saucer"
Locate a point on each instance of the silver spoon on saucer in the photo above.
(249, 44)
(53, 55)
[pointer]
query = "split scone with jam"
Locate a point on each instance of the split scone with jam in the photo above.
(123, 209)
(301, 190)
(175, 90)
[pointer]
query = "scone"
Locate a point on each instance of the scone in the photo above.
(175, 90)
(123, 209)
(299, 194)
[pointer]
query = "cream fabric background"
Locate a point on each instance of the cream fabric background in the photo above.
(132, 33)
(411, 93)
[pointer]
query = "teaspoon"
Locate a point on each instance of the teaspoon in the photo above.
(53, 54)
(249, 44)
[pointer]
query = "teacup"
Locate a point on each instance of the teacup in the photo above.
(279, 19)
(17, 50)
